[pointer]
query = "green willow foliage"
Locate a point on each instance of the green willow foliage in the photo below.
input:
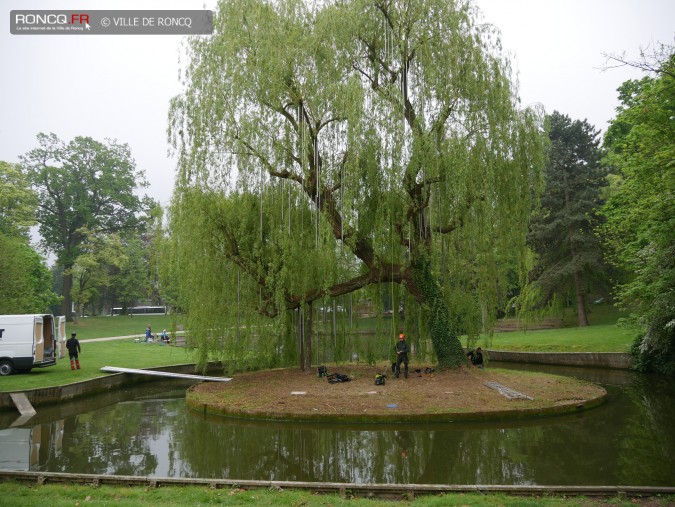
(641, 212)
(326, 149)
(26, 279)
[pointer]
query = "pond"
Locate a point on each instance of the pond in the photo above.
(147, 431)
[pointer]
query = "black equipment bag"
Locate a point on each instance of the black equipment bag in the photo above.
(336, 378)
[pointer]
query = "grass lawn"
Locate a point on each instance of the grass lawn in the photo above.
(604, 338)
(603, 334)
(122, 325)
(597, 315)
(70, 494)
(124, 353)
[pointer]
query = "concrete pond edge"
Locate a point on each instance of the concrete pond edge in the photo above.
(346, 490)
(56, 394)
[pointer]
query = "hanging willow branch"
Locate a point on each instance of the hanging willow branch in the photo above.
(363, 127)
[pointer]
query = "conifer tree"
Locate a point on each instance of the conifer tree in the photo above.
(562, 233)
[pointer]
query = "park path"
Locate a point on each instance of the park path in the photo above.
(179, 335)
(111, 338)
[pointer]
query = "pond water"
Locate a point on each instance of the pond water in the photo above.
(147, 431)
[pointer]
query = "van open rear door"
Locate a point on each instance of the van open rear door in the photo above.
(38, 340)
(62, 337)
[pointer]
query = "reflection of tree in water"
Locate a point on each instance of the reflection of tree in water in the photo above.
(626, 441)
(602, 446)
(453, 455)
(114, 440)
(518, 453)
(618, 443)
(474, 456)
(641, 439)
(235, 450)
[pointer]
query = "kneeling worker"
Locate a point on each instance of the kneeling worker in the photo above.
(476, 357)
(401, 356)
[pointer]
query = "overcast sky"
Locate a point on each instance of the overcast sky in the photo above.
(119, 86)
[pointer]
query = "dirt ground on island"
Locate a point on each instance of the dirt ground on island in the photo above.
(465, 391)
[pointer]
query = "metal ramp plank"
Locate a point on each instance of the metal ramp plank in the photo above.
(134, 371)
(507, 391)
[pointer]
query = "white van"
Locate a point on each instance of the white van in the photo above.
(27, 341)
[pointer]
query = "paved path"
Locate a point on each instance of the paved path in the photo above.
(129, 337)
(111, 338)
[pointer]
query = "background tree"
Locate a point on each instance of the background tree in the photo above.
(81, 184)
(24, 278)
(562, 232)
(641, 211)
(160, 257)
(130, 282)
(93, 269)
(651, 59)
(381, 135)
(17, 201)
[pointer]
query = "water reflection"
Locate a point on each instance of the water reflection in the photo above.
(147, 431)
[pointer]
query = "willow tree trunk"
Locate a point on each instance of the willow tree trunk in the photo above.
(305, 337)
(448, 348)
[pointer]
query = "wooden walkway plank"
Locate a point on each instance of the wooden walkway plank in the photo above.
(133, 371)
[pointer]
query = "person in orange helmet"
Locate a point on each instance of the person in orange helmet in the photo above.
(402, 350)
(74, 351)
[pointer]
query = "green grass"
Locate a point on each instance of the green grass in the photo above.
(125, 353)
(94, 356)
(123, 325)
(603, 334)
(58, 495)
(604, 338)
(597, 315)
(102, 327)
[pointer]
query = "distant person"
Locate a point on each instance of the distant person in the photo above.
(148, 334)
(74, 349)
(164, 337)
(402, 350)
(476, 357)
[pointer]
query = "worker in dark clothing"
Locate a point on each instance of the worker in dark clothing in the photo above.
(402, 350)
(476, 357)
(74, 349)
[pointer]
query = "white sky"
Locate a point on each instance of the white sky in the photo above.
(119, 86)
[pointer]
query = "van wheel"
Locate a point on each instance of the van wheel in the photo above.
(6, 367)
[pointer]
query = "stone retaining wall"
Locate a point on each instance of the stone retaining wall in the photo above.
(617, 360)
(50, 395)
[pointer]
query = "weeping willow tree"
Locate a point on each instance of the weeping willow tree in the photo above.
(327, 147)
